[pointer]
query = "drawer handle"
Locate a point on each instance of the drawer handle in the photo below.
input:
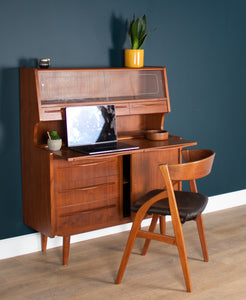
(145, 105)
(80, 189)
(139, 105)
(93, 164)
(90, 164)
(84, 165)
(52, 111)
(121, 106)
(86, 188)
(98, 162)
(86, 211)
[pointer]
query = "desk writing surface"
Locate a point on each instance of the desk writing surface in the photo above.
(142, 143)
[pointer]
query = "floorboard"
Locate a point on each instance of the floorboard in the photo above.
(93, 265)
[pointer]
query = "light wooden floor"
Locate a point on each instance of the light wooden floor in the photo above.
(93, 266)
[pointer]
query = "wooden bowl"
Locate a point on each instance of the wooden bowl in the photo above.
(156, 135)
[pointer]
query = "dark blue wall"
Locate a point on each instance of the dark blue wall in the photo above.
(202, 44)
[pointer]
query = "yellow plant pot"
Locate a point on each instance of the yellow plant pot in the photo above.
(134, 58)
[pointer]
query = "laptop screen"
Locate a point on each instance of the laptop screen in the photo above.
(87, 125)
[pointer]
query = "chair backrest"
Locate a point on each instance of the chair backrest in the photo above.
(198, 164)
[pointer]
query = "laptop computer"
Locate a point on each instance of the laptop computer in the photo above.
(92, 129)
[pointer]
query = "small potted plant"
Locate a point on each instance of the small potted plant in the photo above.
(134, 58)
(54, 141)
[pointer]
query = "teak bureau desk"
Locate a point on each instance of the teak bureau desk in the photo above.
(65, 192)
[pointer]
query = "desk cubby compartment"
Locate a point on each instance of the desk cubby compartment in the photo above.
(126, 185)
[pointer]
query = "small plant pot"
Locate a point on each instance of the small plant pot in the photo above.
(54, 145)
(134, 58)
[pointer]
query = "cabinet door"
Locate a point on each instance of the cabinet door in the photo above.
(146, 174)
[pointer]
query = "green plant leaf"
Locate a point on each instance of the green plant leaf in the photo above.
(134, 34)
(137, 32)
(54, 135)
(142, 27)
(144, 38)
(135, 44)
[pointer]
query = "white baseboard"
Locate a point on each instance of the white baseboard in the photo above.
(30, 243)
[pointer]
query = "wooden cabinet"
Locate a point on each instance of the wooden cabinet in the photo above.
(66, 192)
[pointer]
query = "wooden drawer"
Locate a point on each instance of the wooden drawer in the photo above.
(90, 195)
(122, 109)
(148, 107)
(84, 182)
(70, 175)
(52, 113)
(78, 219)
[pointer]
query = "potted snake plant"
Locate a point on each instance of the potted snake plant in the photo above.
(134, 57)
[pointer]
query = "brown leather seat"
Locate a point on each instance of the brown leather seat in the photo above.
(181, 205)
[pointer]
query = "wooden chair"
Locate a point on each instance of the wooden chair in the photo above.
(181, 205)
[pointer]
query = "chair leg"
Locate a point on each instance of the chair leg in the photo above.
(151, 229)
(128, 250)
(163, 225)
(182, 253)
(200, 227)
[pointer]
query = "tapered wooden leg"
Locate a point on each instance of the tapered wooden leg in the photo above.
(184, 264)
(66, 248)
(200, 227)
(182, 253)
(177, 228)
(163, 224)
(128, 250)
(44, 242)
(151, 229)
